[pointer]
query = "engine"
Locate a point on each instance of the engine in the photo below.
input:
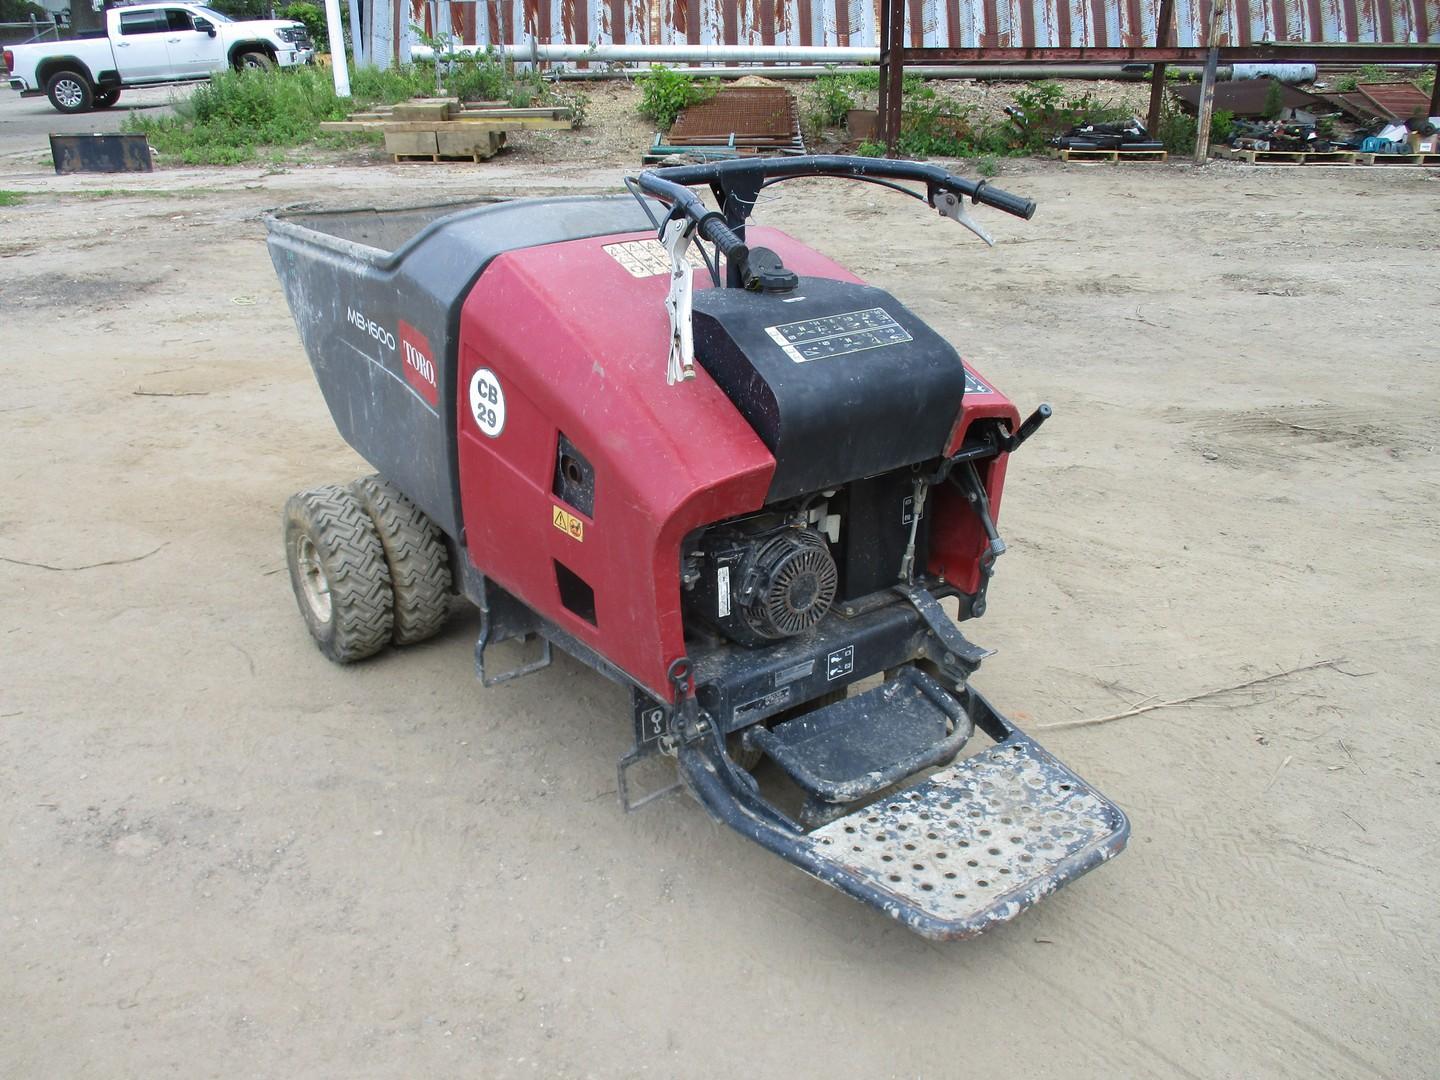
(758, 581)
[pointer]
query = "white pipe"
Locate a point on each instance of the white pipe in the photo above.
(535, 52)
(357, 40)
(335, 29)
(677, 54)
(1005, 72)
(1286, 73)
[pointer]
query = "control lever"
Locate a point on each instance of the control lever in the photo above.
(967, 478)
(680, 299)
(953, 206)
(1029, 427)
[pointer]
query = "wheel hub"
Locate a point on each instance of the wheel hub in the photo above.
(69, 92)
(313, 582)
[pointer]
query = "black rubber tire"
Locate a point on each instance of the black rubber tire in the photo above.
(330, 541)
(70, 92)
(106, 98)
(415, 551)
(254, 59)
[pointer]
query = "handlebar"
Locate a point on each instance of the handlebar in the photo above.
(668, 183)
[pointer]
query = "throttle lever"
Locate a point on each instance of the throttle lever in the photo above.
(679, 300)
(953, 206)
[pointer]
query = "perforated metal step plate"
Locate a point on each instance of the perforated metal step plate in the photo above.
(978, 842)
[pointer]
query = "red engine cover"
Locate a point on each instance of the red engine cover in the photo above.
(571, 338)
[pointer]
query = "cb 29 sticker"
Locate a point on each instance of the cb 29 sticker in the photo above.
(487, 402)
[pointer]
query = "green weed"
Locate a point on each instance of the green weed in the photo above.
(11, 198)
(827, 101)
(665, 93)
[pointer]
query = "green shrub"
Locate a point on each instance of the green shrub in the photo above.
(1177, 127)
(478, 78)
(1049, 112)
(987, 165)
(242, 9)
(871, 148)
(227, 120)
(370, 85)
(1274, 101)
(20, 11)
(1222, 123)
(232, 118)
(934, 128)
(313, 16)
(665, 93)
(827, 100)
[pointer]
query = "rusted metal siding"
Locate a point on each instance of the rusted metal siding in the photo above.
(935, 23)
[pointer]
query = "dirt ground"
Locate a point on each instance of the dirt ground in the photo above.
(224, 856)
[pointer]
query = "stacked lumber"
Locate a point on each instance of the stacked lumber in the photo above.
(444, 129)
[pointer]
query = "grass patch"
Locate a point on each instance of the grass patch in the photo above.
(11, 198)
(242, 117)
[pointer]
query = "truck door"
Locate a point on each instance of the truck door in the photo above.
(141, 54)
(192, 51)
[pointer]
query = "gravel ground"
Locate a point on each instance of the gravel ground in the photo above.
(224, 856)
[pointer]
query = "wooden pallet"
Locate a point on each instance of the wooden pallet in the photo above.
(463, 159)
(1398, 159)
(443, 144)
(1287, 157)
(1113, 156)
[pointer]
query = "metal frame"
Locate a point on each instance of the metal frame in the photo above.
(894, 55)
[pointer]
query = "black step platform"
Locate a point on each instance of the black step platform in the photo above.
(859, 746)
(967, 848)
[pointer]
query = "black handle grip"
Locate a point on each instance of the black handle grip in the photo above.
(1003, 200)
(713, 228)
(1030, 426)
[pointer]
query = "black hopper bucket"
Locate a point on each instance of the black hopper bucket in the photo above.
(101, 153)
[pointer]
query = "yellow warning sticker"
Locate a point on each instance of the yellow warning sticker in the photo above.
(568, 523)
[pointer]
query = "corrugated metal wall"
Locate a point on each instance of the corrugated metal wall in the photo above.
(954, 23)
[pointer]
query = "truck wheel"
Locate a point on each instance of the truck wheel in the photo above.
(255, 60)
(105, 98)
(338, 572)
(70, 92)
(419, 564)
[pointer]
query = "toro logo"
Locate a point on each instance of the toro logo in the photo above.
(419, 364)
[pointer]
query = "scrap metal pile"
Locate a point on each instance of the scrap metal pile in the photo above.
(1376, 118)
(1130, 135)
(738, 121)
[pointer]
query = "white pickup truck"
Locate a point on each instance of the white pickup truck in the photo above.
(145, 44)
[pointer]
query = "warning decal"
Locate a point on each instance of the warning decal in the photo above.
(568, 523)
(837, 335)
(648, 258)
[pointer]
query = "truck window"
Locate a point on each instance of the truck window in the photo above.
(143, 22)
(178, 19)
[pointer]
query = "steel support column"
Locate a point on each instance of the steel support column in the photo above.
(892, 71)
(1157, 73)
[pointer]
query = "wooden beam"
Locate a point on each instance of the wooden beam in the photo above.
(1207, 86)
